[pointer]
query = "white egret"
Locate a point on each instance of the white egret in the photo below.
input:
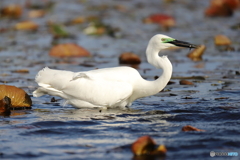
(109, 87)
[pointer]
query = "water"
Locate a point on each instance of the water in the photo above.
(51, 131)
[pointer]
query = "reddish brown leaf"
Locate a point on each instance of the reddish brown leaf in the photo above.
(222, 8)
(232, 4)
(185, 82)
(191, 128)
(129, 58)
(162, 19)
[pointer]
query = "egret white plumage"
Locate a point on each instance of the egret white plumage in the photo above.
(109, 87)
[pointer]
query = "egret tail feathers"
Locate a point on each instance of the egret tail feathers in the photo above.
(47, 89)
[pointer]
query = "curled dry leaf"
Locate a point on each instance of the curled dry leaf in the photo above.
(36, 13)
(191, 128)
(162, 19)
(129, 58)
(68, 50)
(26, 25)
(12, 10)
(145, 145)
(222, 40)
(19, 98)
(196, 54)
(5, 105)
(186, 82)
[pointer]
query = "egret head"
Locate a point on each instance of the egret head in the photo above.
(161, 41)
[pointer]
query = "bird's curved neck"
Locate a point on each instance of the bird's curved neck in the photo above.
(153, 87)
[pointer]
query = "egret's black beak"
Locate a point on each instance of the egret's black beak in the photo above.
(183, 44)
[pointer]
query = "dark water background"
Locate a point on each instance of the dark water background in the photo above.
(51, 131)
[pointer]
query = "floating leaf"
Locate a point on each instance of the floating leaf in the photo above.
(191, 128)
(231, 4)
(185, 82)
(12, 11)
(36, 13)
(222, 40)
(19, 98)
(78, 20)
(129, 58)
(68, 50)
(145, 145)
(196, 54)
(222, 8)
(26, 25)
(165, 20)
(21, 71)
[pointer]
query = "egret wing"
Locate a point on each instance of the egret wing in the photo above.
(99, 92)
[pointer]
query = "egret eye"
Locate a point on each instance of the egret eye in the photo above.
(167, 40)
(164, 39)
